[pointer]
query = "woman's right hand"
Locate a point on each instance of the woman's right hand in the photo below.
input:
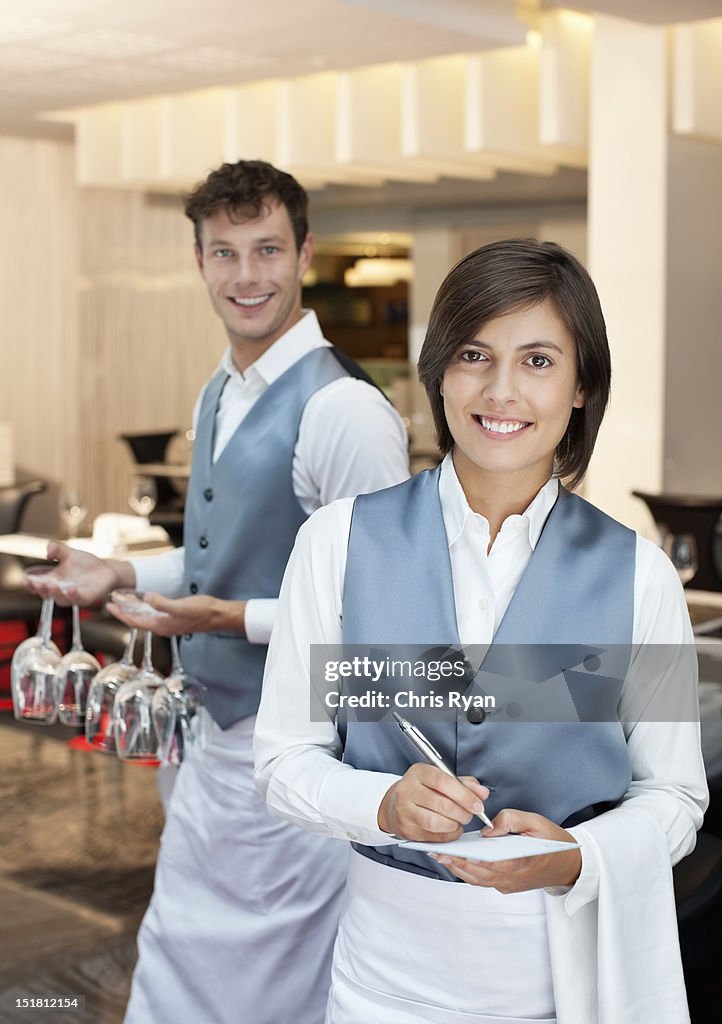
(79, 577)
(428, 805)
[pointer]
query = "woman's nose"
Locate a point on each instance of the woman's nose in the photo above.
(500, 385)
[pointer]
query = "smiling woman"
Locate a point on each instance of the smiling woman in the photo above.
(491, 550)
(508, 397)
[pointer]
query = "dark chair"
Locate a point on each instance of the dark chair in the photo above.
(698, 894)
(700, 516)
(16, 605)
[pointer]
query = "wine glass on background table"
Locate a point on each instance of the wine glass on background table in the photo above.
(73, 510)
(99, 728)
(681, 549)
(73, 677)
(144, 495)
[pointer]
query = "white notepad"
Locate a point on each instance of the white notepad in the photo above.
(492, 848)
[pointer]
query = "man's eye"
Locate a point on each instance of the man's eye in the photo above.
(269, 250)
(539, 362)
(223, 253)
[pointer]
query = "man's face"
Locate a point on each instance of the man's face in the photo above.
(253, 273)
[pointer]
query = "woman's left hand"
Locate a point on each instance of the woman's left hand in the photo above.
(545, 871)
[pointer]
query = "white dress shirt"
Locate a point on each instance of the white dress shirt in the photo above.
(365, 451)
(297, 761)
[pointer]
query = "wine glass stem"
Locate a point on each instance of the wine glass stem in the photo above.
(130, 647)
(46, 621)
(176, 665)
(77, 642)
(148, 650)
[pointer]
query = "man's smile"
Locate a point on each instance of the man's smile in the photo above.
(251, 301)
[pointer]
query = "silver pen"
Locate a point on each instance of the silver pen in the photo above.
(428, 751)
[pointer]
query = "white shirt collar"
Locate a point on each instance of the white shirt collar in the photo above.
(297, 342)
(456, 512)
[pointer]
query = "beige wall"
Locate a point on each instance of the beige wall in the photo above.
(693, 383)
(106, 325)
(38, 340)
(148, 338)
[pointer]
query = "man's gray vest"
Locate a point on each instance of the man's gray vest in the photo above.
(577, 591)
(241, 520)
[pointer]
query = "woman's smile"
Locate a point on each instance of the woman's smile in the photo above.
(509, 394)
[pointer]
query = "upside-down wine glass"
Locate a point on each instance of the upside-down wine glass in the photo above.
(135, 737)
(32, 668)
(73, 676)
(99, 729)
(174, 709)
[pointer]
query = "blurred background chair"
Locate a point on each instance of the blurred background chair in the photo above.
(150, 448)
(699, 517)
(16, 605)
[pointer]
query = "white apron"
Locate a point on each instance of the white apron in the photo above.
(412, 949)
(244, 912)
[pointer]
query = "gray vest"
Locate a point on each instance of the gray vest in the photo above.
(577, 591)
(241, 521)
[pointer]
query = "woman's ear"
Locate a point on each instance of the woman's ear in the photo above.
(579, 399)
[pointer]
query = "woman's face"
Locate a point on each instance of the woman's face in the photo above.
(508, 396)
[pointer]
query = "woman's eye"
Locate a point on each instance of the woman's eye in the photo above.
(539, 362)
(473, 355)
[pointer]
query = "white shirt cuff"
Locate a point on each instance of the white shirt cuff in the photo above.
(259, 619)
(350, 800)
(586, 887)
(162, 574)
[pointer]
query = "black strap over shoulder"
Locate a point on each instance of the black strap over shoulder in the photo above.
(353, 369)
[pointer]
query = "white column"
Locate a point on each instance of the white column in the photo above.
(628, 256)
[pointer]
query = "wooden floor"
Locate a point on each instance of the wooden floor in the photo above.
(78, 841)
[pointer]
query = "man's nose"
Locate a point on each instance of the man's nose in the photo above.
(246, 270)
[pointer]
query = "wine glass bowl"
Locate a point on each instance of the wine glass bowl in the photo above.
(135, 735)
(174, 708)
(99, 729)
(144, 495)
(34, 690)
(33, 661)
(681, 549)
(73, 676)
(72, 510)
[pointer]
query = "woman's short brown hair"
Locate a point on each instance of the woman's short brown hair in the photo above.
(505, 277)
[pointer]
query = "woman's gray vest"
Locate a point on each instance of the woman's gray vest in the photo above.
(241, 521)
(570, 621)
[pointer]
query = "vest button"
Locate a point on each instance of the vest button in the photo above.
(475, 715)
(194, 588)
(208, 494)
(203, 542)
(187, 636)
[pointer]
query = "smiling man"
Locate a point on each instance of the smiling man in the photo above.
(244, 912)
